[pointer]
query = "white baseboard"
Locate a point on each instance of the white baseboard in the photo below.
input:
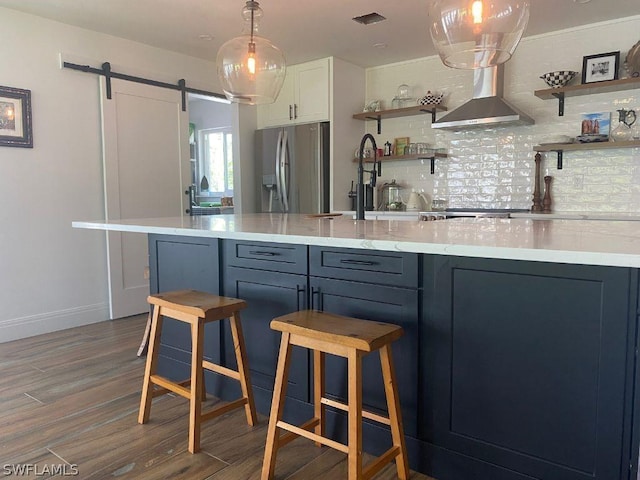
(23, 327)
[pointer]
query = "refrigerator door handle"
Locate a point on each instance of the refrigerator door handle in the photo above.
(284, 155)
(277, 160)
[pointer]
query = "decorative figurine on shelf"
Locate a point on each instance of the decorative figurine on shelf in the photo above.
(387, 149)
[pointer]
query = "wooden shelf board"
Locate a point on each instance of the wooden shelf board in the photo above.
(393, 158)
(589, 88)
(400, 112)
(567, 147)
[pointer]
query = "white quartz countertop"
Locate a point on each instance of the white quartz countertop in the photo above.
(591, 242)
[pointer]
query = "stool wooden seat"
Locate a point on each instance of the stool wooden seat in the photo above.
(197, 309)
(347, 337)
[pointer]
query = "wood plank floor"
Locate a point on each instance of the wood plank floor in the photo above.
(71, 397)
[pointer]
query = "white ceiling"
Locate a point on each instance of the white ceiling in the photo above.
(303, 29)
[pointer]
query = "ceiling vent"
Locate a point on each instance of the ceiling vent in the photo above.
(369, 18)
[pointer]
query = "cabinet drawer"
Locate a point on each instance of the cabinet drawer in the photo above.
(386, 268)
(266, 256)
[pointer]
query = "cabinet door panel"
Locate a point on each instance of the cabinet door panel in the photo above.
(312, 91)
(279, 257)
(268, 295)
(525, 365)
(277, 113)
(178, 263)
(378, 303)
(387, 268)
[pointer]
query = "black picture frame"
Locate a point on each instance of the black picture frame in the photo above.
(602, 67)
(15, 118)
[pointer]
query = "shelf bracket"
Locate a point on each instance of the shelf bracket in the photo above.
(559, 152)
(560, 97)
(432, 111)
(378, 119)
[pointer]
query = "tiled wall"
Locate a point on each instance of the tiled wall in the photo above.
(494, 168)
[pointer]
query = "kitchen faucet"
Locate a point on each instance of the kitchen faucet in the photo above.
(361, 170)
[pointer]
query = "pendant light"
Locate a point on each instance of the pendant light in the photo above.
(250, 68)
(471, 34)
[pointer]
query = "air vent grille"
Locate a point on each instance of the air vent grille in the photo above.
(369, 18)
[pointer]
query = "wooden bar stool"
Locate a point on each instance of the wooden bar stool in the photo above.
(347, 337)
(196, 309)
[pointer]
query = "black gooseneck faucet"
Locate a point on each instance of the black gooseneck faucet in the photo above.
(361, 170)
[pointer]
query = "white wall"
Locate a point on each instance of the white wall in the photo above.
(494, 168)
(51, 275)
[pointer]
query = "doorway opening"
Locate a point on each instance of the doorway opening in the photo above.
(211, 142)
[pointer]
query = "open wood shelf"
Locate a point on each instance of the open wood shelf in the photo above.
(400, 112)
(586, 89)
(559, 148)
(554, 147)
(391, 158)
(419, 156)
(589, 88)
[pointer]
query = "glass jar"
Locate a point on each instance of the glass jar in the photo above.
(623, 131)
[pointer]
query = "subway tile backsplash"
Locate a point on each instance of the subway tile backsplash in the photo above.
(495, 168)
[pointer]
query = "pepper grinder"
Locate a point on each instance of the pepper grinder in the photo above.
(537, 207)
(546, 201)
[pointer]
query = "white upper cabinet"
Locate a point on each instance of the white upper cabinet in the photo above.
(304, 98)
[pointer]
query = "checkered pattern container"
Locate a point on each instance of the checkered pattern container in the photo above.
(559, 78)
(431, 99)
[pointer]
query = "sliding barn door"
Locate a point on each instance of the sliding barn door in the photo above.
(146, 171)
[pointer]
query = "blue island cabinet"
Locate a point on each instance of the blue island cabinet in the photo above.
(508, 370)
(176, 263)
(528, 370)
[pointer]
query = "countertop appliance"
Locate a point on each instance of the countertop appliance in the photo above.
(293, 163)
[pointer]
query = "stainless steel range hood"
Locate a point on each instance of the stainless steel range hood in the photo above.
(487, 108)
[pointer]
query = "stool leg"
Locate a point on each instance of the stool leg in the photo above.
(355, 415)
(393, 406)
(195, 398)
(150, 367)
(318, 392)
(243, 368)
(277, 406)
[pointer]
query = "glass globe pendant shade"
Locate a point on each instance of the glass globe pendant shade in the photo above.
(471, 34)
(250, 68)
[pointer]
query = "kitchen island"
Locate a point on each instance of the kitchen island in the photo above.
(519, 354)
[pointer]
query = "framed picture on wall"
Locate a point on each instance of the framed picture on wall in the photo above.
(600, 67)
(15, 117)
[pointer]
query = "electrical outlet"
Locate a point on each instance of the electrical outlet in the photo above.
(578, 182)
(146, 274)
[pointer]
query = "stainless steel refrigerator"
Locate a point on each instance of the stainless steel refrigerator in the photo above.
(293, 163)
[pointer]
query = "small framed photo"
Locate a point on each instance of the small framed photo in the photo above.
(399, 144)
(15, 118)
(601, 67)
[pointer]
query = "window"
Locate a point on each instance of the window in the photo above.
(216, 165)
